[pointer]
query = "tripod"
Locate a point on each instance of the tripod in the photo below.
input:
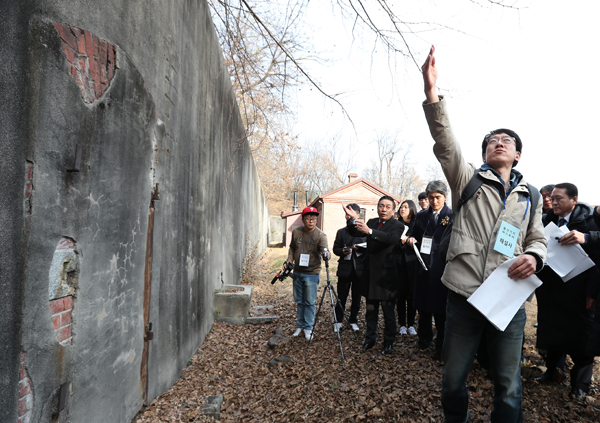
(333, 300)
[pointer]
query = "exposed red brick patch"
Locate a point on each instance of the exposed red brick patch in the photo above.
(28, 187)
(61, 310)
(92, 61)
(25, 394)
(66, 244)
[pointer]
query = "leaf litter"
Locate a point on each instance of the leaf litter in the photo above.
(315, 385)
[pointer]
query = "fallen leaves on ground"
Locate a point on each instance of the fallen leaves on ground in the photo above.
(316, 385)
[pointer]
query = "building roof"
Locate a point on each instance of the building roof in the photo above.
(290, 213)
(362, 181)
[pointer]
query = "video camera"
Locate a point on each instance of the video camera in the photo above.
(283, 273)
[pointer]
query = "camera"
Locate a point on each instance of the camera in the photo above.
(283, 273)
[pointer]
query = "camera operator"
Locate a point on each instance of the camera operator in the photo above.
(381, 273)
(307, 247)
(350, 269)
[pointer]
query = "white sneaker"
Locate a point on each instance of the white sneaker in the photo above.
(308, 334)
(337, 327)
(403, 330)
(297, 331)
(354, 327)
(412, 331)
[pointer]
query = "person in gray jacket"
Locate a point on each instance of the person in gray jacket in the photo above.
(473, 254)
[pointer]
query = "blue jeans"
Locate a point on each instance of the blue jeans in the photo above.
(305, 295)
(464, 328)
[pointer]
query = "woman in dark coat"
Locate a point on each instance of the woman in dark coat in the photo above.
(407, 213)
(429, 293)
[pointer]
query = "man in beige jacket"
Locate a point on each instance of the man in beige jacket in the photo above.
(501, 203)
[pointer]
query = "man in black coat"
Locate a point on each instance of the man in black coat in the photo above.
(380, 277)
(430, 293)
(349, 272)
(565, 308)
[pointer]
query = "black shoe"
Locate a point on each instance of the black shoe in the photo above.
(387, 350)
(366, 346)
(577, 393)
(544, 379)
(551, 376)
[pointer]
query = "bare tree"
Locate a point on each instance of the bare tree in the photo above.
(267, 55)
(394, 169)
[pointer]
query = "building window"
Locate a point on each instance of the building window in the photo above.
(363, 214)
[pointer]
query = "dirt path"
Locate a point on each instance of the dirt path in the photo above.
(316, 386)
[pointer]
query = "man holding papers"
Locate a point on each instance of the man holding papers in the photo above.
(565, 305)
(492, 226)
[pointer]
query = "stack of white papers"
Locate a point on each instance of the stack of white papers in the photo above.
(567, 261)
(500, 297)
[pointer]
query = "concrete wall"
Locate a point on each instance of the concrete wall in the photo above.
(140, 88)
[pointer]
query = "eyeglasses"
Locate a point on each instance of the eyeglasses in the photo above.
(504, 140)
(310, 217)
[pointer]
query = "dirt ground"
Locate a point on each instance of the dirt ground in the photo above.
(316, 385)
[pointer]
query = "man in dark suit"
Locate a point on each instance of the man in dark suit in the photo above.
(430, 294)
(565, 310)
(349, 272)
(380, 276)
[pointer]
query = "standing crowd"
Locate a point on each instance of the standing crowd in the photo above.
(431, 261)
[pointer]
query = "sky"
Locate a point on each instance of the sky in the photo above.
(530, 69)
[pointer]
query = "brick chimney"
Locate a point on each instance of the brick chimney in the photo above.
(352, 177)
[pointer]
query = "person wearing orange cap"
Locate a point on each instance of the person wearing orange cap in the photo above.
(307, 247)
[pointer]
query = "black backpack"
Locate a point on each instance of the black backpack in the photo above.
(468, 191)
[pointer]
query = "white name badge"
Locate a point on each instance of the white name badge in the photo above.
(426, 245)
(506, 241)
(304, 259)
(348, 257)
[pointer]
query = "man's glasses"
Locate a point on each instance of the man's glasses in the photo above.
(504, 140)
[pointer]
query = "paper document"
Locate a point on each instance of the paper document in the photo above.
(500, 297)
(405, 231)
(360, 246)
(419, 255)
(567, 261)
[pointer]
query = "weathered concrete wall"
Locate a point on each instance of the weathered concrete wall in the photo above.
(13, 130)
(277, 231)
(140, 88)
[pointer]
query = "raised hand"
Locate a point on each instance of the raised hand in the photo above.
(350, 213)
(430, 77)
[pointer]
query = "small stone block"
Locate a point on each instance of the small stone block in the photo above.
(277, 340)
(260, 320)
(213, 406)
